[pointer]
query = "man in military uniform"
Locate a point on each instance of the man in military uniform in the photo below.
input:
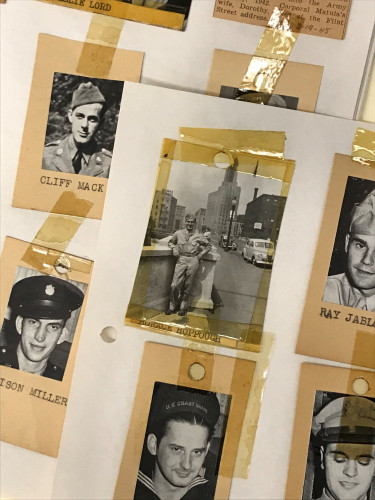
(40, 307)
(175, 463)
(79, 152)
(188, 246)
(356, 286)
(345, 432)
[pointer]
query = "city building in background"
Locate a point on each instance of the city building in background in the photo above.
(263, 216)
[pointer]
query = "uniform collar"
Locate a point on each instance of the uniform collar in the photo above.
(73, 149)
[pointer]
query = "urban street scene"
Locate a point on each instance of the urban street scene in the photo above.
(210, 243)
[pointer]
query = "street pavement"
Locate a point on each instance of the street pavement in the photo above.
(237, 284)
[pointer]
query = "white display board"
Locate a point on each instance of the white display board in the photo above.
(106, 374)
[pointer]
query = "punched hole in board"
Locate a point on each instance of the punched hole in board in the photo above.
(196, 371)
(109, 334)
(62, 265)
(360, 386)
(222, 160)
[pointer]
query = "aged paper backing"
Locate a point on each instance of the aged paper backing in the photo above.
(297, 79)
(60, 55)
(170, 365)
(351, 337)
(316, 378)
(33, 422)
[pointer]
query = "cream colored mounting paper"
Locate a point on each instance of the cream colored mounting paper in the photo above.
(33, 406)
(338, 321)
(296, 80)
(317, 17)
(42, 174)
(229, 378)
(317, 387)
(227, 304)
(124, 10)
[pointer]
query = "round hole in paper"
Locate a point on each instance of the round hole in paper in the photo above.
(222, 160)
(62, 265)
(197, 371)
(109, 334)
(360, 386)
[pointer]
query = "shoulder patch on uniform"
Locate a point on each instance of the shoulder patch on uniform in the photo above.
(54, 143)
(106, 152)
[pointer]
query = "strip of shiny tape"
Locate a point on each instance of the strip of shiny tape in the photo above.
(257, 142)
(250, 421)
(100, 46)
(56, 233)
(363, 147)
(271, 55)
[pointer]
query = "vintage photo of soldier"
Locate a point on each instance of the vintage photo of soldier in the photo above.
(209, 244)
(351, 276)
(183, 444)
(40, 322)
(341, 457)
(82, 123)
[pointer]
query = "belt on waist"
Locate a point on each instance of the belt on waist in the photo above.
(185, 254)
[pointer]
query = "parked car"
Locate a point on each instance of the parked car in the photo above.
(258, 251)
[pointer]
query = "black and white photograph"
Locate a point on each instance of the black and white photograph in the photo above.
(210, 244)
(183, 444)
(341, 457)
(351, 276)
(177, 6)
(82, 123)
(276, 100)
(40, 322)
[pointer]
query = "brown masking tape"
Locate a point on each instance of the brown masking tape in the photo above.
(57, 231)
(364, 349)
(100, 46)
(205, 355)
(270, 56)
(363, 147)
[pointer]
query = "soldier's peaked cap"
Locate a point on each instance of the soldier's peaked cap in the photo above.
(87, 93)
(349, 419)
(45, 297)
(363, 216)
(171, 401)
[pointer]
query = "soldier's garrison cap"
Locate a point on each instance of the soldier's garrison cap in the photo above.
(172, 401)
(87, 93)
(45, 297)
(363, 216)
(350, 419)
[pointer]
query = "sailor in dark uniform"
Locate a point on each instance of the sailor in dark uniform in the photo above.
(176, 462)
(79, 153)
(345, 433)
(40, 307)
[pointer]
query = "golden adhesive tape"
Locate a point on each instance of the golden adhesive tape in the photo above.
(363, 147)
(248, 141)
(271, 55)
(100, 46)
(56, 232)
(250, 422)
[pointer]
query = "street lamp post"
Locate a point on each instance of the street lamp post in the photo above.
(234, 203)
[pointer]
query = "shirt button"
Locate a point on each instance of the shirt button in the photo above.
(3, 350)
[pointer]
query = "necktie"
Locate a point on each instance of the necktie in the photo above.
(77, 162)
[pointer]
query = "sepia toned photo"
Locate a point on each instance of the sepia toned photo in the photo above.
(82, 122)
(40, 322)
(177, 6)
(183, 444)
(341, 456)
(208, 251)
(351, 280)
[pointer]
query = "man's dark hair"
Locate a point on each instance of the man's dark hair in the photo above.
(160, 428)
